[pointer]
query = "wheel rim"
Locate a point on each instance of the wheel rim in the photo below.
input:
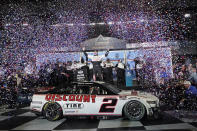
(52, 111)
(134, 109)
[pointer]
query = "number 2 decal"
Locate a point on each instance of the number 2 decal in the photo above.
(108, 107)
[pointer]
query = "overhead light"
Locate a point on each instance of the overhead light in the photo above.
(187, 15)
(8, 24)
(92, 23)
(56, 25)
(70, 24)
(141, 20)
(25, 24)
(101, 23)
(110, 23)
(133, 21)
(120, 22)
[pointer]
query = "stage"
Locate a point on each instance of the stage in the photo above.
(23, 119)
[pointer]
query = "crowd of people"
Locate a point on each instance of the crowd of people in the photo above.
(172, 92)
(48, 74)
(180, 92)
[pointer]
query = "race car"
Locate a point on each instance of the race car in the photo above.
(94, 99)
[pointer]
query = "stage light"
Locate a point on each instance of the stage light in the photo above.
(187, 15)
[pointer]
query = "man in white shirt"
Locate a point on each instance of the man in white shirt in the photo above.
(139, 63)
(107, 71)
(96, 61)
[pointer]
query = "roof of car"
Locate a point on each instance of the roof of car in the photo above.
(107, 85)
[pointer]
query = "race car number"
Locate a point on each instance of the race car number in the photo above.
(108, 107)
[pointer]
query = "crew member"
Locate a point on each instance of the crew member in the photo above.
(82, 70)
(96, 61)
(90, 71)
(74, 68)
(107, 71)
(74, 65)
(120, 68)
(70, 71)
(139, 69)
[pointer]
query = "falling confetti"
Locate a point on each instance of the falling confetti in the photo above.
(31, 28)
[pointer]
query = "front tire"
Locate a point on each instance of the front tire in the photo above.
(53, 111)
(134, 110)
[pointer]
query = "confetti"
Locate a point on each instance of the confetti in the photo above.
(30, 28)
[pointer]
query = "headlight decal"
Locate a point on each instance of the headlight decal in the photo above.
(151, 102)
(36, 102)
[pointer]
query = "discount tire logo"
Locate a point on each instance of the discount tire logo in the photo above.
(73, 106)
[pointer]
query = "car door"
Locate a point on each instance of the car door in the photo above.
(91, 100)
(79, 101)
(107, 102)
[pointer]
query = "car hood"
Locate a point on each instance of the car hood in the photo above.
(138, 94)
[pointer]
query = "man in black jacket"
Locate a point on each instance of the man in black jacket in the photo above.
(120, 68)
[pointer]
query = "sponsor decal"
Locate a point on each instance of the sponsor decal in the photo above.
(36, 107)
(69, 111)
(77, 98)
(73, 106)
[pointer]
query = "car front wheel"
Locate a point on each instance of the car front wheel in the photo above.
(134, 110)
(52, 111)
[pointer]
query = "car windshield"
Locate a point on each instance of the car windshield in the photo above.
(111, 87)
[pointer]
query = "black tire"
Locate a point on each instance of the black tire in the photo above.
(52, 111)
(37, 114)
(134, 110)
(156, 115)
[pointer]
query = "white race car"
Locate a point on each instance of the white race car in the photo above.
(93, 99)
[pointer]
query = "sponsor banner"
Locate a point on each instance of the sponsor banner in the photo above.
(81, 75)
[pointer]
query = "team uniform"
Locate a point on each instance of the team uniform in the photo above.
(120, 73)
(96, 61)
(107, 72)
